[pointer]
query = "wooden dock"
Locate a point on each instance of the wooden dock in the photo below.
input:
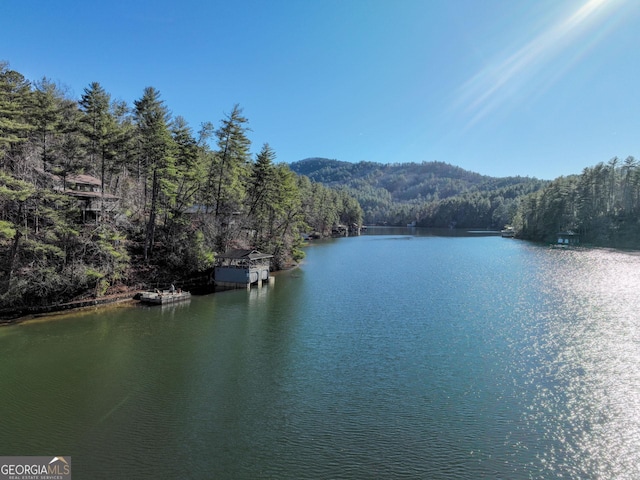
(163, 298)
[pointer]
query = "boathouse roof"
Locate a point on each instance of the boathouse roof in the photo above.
(244, 254)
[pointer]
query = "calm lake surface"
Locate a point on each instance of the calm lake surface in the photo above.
(397, 354)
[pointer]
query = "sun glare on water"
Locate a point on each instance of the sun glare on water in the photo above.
(588, 399)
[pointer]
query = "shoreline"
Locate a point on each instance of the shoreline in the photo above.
(14, 317)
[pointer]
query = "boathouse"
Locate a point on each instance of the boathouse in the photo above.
(242, 268)
(568, 238)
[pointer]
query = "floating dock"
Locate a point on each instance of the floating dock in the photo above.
(164, 297)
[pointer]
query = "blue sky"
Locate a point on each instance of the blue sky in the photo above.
(502, 87)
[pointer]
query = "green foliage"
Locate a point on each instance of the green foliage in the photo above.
(15, 103)
(602, 204)
(14, 190)
(179, 201)
(433, 194)
(96, 195)
(156, 152)
(7, 231)
(190, 169)
(229, 165)
(101, 131)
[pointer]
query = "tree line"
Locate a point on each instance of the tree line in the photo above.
(432, 194)
(602, 205)
(182, 195)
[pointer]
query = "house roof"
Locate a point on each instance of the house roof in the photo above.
(241, 253)
(84, 179)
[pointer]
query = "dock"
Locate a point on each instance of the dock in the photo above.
(164, 297)
(242, 268)
(508, 232)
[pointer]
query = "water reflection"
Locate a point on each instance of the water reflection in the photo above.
(587, 405)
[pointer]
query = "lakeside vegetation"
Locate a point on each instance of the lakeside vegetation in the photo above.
(98, 196)
(602, 204)
(432, 194)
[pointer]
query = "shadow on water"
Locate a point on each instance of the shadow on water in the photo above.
(429, 232)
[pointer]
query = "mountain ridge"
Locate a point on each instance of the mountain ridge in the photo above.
(399, 193)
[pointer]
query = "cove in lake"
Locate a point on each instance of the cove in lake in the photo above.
(397, 354)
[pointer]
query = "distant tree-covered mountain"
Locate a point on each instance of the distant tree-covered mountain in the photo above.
(434, 194)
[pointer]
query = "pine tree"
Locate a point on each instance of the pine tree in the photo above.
(70, 149)
(156, 151)
(229, 166)
(99, 127)
(46, 116)
(189, 171)
(13, 196)
(262, 181)
(15, 104)
(287, 217)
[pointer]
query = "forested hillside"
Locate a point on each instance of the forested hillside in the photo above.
(602, 204)
(98, 195)
(433, 194)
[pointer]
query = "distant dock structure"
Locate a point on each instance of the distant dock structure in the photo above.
(242, 269)
(568, 238)
(508, 232)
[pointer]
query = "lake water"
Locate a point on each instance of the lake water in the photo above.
(391, 355)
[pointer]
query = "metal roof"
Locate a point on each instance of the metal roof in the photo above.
(241, 253)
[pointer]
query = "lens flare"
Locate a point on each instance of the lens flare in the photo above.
(509, 74)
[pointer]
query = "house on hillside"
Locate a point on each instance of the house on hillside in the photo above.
(242, 268)
(87, 190)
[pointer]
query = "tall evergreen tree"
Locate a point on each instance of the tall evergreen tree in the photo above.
(262, 181)
(123, 146)
(46, 113)
(229, 167)
(100, 129)
(15, 104)
(13, 196)
(189, 172)
(286, 218)
(70, 152)
(629, 172)
(156, 151)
